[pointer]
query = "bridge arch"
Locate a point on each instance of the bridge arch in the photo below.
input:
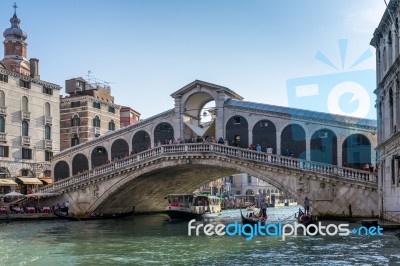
(80, 163)
(99, 156)
(356, 151)
(61, 170)
(293, 141)
(119, 148)
(237, 131)
(323, 146)
(163, 133)
(140, 141)
(264, 133)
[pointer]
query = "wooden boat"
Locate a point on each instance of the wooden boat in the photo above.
(251, 221)
(305, 219)
(94, 216)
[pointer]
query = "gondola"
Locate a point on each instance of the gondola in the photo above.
(251, 221)
(305, 219)
(94, 216)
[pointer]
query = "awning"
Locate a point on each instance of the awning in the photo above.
(7, 182)
(47, 181)
(29, 181)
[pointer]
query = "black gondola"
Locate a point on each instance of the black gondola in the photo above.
(94, 216)
(305, 219)
(251, 221)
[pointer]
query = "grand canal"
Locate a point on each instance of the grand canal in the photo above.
(151, 240)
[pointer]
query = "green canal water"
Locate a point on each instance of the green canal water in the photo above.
(152, 240)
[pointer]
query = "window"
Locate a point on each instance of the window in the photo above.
(47, 132)
(75, 121)
(25, 84)
(25, 129)
(249, 179)
(81, 85)
(47, 109)
(75, 104)
(47, 155)
(25, 107)
(111, 125)
(26, 153)
(393, 173)
(74, 141)
(48, 91)
(236, 120)
(2, 99)
(111, 109)
(96, 122)
(3, 151)
(2, 124)
(25, 172)
(4, 78)
(96, 105)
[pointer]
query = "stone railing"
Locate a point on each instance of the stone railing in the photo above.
(48, 120)
(213, 149)
(3, 110)
(3, 136)
(25, 115)
(25, 140)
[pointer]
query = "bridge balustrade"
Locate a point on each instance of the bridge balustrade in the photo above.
(273, 159)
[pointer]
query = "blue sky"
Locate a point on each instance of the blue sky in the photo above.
(149, 49)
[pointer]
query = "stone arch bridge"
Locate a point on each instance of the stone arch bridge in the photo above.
(314, 154)
(142, 180)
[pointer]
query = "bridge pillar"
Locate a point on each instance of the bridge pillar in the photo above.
(339, 152)
(308, 149)
(219, 120)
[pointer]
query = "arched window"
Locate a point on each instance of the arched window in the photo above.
(75, 121)
(2, 124)
(2, 99)
(25, 107)
(111, 125)
(47, 132)
(96, 121)
(25, 128)
(47, 109)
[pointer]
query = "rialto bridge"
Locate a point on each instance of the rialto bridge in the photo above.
(315, 154)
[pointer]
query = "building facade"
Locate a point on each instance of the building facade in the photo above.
(29, 115)
(128, 116)
(88, 112)
(386, 41)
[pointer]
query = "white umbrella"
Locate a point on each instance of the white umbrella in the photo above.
(14, 194)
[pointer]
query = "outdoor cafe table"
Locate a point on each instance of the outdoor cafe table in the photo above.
(30, 209)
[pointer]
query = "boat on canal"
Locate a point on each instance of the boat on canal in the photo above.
(179, 206)
(253, 218)
(189, 206)
(305, 219)
(93, 216)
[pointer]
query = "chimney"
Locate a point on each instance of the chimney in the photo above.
(34, 65)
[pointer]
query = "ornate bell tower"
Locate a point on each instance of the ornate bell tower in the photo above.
(15, 47)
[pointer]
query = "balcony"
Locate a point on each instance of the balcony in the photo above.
(96, 131)
(3, 136)
(3, 111)
(25, 115)
(48, 144)
(25, 140)
(48, 120)
(75, 130)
